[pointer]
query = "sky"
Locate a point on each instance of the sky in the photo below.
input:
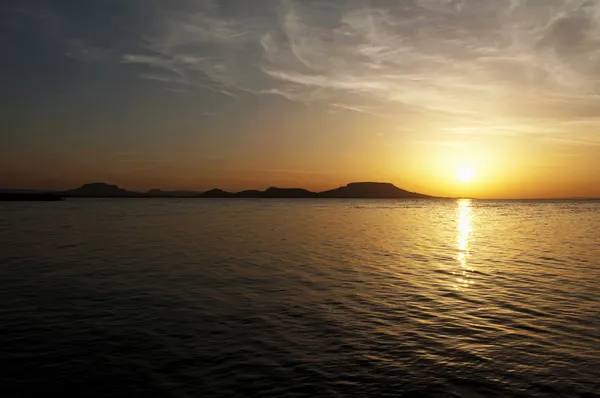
(239, 94)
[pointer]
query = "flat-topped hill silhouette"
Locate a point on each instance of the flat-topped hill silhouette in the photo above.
(371, 190)
(100, 190)
(355, 190)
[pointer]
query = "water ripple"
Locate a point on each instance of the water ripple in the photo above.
(300, 298)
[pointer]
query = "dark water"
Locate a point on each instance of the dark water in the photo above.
(300, 298)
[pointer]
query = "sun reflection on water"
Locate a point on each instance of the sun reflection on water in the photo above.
(464, 227)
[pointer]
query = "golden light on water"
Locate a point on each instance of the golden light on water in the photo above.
(464, 229)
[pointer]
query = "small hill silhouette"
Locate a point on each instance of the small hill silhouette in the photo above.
(159, 193)
(216, 193)
(288, 193)
(250, 193)
(272, 192)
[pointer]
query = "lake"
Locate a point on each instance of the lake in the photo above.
(293, 298)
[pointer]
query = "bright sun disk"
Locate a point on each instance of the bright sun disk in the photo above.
(465, 174)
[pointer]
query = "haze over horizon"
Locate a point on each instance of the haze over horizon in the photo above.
(486, 98)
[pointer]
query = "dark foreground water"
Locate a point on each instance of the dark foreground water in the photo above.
(300, 298)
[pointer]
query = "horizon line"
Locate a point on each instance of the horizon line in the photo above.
(199, 192)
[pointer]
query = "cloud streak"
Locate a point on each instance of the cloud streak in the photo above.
(82, 51)
(485, 61)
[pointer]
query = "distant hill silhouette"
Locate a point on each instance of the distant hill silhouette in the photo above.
(159, 193)
(29, 197)
(29, 191)
(272, 192)
(103, 190)
(356, 190)
(100, 190)
(371, 190)
(288, 193)
(251, 193)
(216, 193)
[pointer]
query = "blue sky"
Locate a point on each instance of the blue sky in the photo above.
(234, 93)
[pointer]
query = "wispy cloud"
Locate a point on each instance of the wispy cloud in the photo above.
(449, 144)
(484, 61)
(83, 51)
(573, 142)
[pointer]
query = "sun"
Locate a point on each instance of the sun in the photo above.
(465, 174)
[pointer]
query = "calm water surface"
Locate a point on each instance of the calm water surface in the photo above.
(278, 298)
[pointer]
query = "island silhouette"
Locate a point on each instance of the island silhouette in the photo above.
(30, 196)
(355, 190)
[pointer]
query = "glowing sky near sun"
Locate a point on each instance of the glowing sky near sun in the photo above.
(246, 94)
